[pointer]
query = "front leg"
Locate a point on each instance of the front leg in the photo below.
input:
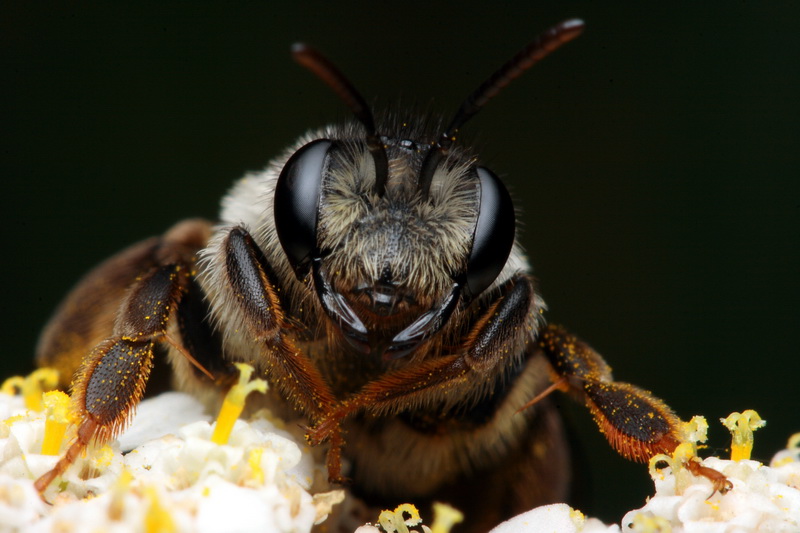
(255, 300)
(253, 296)
(494, 343)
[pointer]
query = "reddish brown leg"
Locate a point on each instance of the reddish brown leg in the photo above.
(719, 482)
(637, 424)
(111, 380)
(248, 277)
(500, 333)
(262, 312)
(391, 390)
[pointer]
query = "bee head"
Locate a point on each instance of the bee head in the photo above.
(397, 231)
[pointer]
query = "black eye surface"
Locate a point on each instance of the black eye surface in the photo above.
(297, 202)
(494, 233)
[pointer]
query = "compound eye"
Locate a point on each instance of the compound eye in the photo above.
(296, 205)
(494, 233)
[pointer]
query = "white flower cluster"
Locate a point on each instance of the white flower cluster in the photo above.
(764, 498)
(258, 481)
(174, 478)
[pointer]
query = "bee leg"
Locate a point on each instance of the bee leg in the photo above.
(256, 295)
(500, 332)
(250, 278)
(111, 380)
(637, 424)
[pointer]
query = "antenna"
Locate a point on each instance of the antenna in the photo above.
(321, 67)
(538, 49)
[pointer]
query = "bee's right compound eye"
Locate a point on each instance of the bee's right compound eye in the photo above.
(297, 202)
(494, 233)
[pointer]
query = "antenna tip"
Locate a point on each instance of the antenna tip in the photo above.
(573, 23)
(299, 49)
(575, 26)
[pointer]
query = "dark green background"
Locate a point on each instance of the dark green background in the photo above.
(655, 161)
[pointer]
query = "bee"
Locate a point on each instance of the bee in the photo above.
(372, 274)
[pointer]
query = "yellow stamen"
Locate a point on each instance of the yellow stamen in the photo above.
(578, 518)
(121, 487)
(102, 458)
(650, 523)
(413, 514)
(157, 519)
(55, 425)
(741, 426)
(652, 466)
(233, 404)
(685, 451)
(394, 522)
(695, 430)
(12, 385)
(32, 386)
(254, 462)
(692, 432)
(324, 502)
(445, 517)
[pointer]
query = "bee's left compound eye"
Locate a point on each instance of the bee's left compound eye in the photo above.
(297, 202)
(494, 234)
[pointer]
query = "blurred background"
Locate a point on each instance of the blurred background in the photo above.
(655, 161)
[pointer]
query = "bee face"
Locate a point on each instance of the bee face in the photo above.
(381, 240)
(391, 261)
